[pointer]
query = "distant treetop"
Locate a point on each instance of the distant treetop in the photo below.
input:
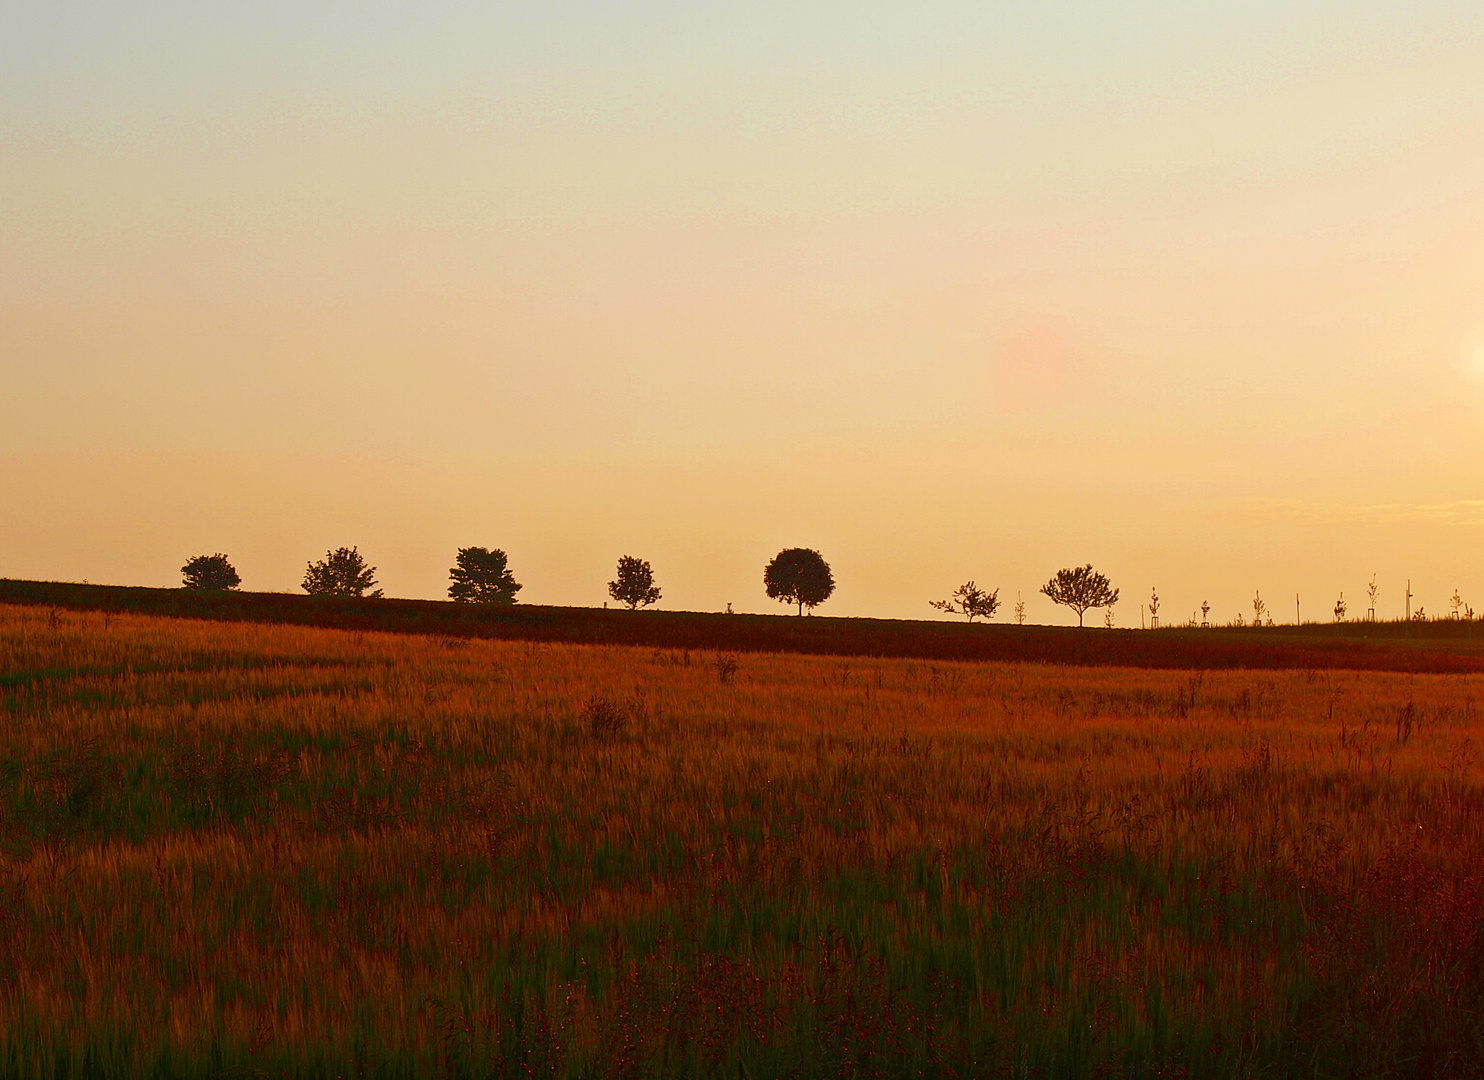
(799, 576)
(970, 600)
(481, 576)
(1080, 588)
(634, 585)
(342, 572)
(209, 572)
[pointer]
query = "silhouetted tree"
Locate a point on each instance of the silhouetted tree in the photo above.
(480, 576)
(1080, 588)
(968, 599)
(342, 572)
(212, 572)
(635, 583)
(799, 576)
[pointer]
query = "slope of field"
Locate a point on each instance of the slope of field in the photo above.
(232, 849)
(1447, 646)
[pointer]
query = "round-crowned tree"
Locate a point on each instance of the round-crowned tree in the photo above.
(482, 577)
(634, 585)
(342, 572)
(212, 572)
(1080, 588)
(799, 576)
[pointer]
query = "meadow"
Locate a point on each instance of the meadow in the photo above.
(242, 849)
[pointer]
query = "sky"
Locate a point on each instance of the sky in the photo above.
(945, 290)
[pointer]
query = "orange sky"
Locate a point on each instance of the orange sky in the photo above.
(946, 292)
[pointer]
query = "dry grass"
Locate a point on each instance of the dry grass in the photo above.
(235, 849)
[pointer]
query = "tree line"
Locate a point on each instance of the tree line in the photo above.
(797, 576)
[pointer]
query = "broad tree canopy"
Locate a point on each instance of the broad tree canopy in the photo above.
(481, 576)
(342, 572)
(799, 576)
(213, 572)
(1080, 588)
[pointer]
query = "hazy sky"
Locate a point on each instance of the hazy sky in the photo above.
(1192, 291)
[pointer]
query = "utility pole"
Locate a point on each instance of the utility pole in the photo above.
(1409, 599)
(1298, 619)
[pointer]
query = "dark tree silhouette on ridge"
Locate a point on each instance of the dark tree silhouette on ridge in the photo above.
(342, 572)
(209, 572)
(1080, 588)
(634, 585)
(799, 576)
(481, 576)
(970, 600)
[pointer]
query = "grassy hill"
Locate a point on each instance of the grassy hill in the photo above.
(1444, 646)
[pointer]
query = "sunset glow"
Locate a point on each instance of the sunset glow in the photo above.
(942, 290)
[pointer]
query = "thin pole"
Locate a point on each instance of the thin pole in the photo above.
(1297, 618)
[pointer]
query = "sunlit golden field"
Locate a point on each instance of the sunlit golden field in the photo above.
(235, 849)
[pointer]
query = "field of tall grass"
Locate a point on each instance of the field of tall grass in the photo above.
(236, 849)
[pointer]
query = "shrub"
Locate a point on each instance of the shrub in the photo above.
(605, 719)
